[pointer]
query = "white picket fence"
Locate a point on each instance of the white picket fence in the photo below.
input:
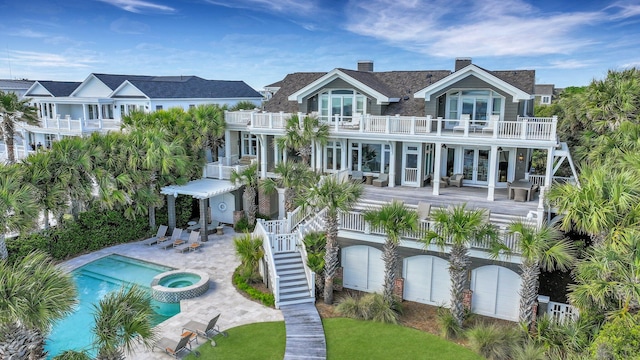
(562, 312)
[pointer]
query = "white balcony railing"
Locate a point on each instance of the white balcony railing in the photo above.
(523, 128)
(216, 170)
(68, 124)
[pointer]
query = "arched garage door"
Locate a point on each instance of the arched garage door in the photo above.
(426, 280)
(363, 268)
(495, 292)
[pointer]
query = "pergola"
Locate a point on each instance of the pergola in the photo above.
(201, 189)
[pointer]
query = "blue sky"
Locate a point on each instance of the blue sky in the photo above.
(260, 41)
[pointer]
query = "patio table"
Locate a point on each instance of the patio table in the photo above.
(521, 185)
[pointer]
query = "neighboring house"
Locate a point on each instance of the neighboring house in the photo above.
(422, 130)
(544, 93)
(99, 102)
(19, 87)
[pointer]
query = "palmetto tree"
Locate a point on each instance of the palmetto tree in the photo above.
(292, 176)
(457, 228)
(123, 319)
(301, 135)
(249, 178)
(12, 111)
(249, 249)
(540, 247)
(395, 219)
(335, 196)
(18, 208)
(34, 293)
(606, 200)
(207, 129)
(50, 194)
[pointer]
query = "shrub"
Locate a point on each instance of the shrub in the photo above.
(449, 328)
(368, 307)
(250, 251)
(241, 284)
(242, 225)
(492, 341)
(619, 338)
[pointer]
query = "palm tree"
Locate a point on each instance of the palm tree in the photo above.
(458, 228)
(12, 111)
(207, 129)
(395, 220)
(606, 199)
(300, 136)
(18, 209)
(334, 196)
(74, 170)
(249, 178)
(292, 176)
(250, 251)
(315, 243)
(123, 319)
(540, 247)
(34, 293)
(39, 169)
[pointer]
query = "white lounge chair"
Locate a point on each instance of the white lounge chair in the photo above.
(492, 124)
(424, 210)
(175, 239)
(464, 118)
(193, 238)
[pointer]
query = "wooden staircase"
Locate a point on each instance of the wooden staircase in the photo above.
(294, 288)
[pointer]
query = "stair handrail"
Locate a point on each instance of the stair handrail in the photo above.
(271, 265)
(309, 274)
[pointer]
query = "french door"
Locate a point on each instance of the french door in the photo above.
(475, 166)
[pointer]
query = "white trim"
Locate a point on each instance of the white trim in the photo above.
(332, 75)
(201, 188)
(483, 75)
(124, 84)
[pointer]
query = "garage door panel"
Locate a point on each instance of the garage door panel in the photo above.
(363, 268)
(426, 280)
(440, 282)
(495, 292)
(508, 285)
(376, 271)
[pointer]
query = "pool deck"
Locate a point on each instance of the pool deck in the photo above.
(217, 258)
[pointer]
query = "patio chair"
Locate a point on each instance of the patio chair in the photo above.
(175, 238)
(424, 210)
(382, 180)
(520, 195)
(357, 177)
(456, 180)
(160, 236)
(172, 347)
(205, 330)
(463, 118)
(193, 238)
(492, 124)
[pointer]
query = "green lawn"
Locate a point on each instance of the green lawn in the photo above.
(346, 339)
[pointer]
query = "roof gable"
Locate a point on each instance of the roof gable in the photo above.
(52, 88)
(498, 79)
(128, 90)
(92, 87)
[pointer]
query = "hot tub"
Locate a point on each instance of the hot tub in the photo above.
(176, 285)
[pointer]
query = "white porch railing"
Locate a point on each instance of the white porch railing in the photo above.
(411, 175)
(274, 279)
(562, 312)
(310, 275)
(216, 170)
(284, 242)
(524, 128)
(74, 125)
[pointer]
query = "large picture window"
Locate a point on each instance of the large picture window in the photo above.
(372, 158)
(333, 156)
(344, 103)
(478, 104)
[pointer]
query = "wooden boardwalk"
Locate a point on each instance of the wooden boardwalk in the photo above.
(305, 334)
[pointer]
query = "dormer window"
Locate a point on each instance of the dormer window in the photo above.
(344, 103)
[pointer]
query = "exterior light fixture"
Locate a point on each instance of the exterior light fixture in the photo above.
(520, 157)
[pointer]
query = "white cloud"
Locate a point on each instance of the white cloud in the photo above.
(53, 61)
(126, 26)
(139, 6)
(478, 28)
(301, 7)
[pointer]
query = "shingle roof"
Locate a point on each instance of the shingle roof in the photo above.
(290, 84)
(6, 84)
(543, 89)
(59, 88)
(179, 87)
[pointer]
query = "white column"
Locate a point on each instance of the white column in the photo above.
(84, 112)
(281, 212)
(493, 162)
(436, 167)
(344, 150)
(549, 173)
(276, 153)
(392, 164)
(318, 149)
(227, 147)
(263, 156)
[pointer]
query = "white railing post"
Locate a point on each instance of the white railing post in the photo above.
(428, 124)
(466, 127)
(523, 132)
(336, 118)
(388, 125)
(413, 125)
(439, 128)
(364, 118)
(554, 127)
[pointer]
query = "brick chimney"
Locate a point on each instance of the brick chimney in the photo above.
(365, 65)
(462, 62)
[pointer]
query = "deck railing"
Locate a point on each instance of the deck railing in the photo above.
(216, 170)
(274, 279)
(562, 312)
(75, 125)
(524, 128)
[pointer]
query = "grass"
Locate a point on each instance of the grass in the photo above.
(346, 339)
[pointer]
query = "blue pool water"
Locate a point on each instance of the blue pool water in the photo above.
(94, 280)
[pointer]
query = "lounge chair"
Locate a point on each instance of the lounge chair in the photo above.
(382, 180)
(456, 180)
(205, 330)
(172, 347)
(175, 238)
(424, 210)
(195, 246)
(160, 236)
(356, 177)
(193, 238)
(492, 124)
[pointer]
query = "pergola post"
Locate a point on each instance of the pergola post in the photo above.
(204, 231)
(171, 208)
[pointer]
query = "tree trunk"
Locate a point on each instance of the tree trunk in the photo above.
(46, 219)
(152, 216)
(390, 258)
(330, 256)
(4, 253)
(250, 199)
(528, 290)
(458, 265)
(9, 139)
(20, 343)
(75, 209)
(289, 195)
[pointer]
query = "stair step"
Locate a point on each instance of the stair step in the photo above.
(288, 261)
(297, 301)
(284, 284)
(287, 288)
(293, 276)
(289, 254)
(294, 296)
(289, 266)
(282, 273)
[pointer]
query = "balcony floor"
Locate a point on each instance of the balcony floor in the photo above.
(473, 196)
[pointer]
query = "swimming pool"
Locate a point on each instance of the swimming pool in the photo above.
(94, 280)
